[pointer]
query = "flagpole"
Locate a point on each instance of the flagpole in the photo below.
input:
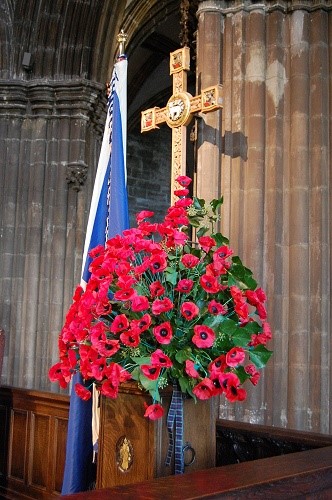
(108, 216)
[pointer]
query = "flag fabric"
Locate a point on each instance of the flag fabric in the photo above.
(108, 216)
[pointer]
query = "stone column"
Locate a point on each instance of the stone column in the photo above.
(209, 72)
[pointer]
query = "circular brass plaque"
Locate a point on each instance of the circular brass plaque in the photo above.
(178, 110)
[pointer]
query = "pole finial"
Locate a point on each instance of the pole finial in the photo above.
(121, 38)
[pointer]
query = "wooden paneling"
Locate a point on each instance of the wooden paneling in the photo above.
(33, 442)
(148, 440)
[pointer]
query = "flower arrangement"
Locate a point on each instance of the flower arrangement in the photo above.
(160, 309)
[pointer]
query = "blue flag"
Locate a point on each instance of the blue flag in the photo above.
(108, 216)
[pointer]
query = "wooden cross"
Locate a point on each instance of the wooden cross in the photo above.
(179, 111)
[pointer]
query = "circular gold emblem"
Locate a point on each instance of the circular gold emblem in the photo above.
(178, 110)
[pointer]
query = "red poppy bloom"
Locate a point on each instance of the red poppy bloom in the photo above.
(142, 324)
(144, 214)
(235, 356)
(183, 180)
(119, 324)
(163, 333)
(184, 202)
(254, 374)
(206, 243)
(205, 389)
(218, 365)
(156, 289)
(98, 332)
(190, 369)
(130, 337)
(160, 306)
(158, 263)
(181, 192)
(230, 384)
(184, 286)
(242, 310)
(216, 308)
(189, 260)
(139, 303)
(151, 371)
(61, 374)
(189, 310)
(209, 283)
(97, 368)
(125, 294)
(204, 336)
(108, 348)
(108, 389)
(160, 359)
(116, 374)
(153, 412)
(82, 392)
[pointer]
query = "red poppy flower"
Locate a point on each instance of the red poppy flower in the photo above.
(97, 369)
(206, 243)
(189, 310)
(139, 303)
(184, 202)
(209, 283)
(119, 324)
(242, 310)
(204, 336)
(235, 356)
(160, 306)
(156, 289)
(116, 373)
(218, 365)
(82, 392)
(158, 263)
(190, 369)
(130, 337)
(254, 374)
(160, 359)
(61, 374)
(153, 412)
(98, 332)
(230, 384)
(183, 180)
(181, 192)
(142, 324)
(216, 308)
(108, 389)
(189, 260)
(184, 286)
(108, 348)
(205, 389)
(126, 294)
(144, 214)
(151, 371)
(163, 333)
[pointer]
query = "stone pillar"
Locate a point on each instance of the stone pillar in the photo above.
(209, 72)
(50, 142)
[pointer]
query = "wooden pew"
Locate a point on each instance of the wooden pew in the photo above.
(306, 474)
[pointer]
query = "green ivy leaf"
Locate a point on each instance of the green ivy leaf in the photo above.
(214, 321)
(260, 356)
(142, 360)
(241, 337)
(183, 355)
(220, 239)
(171, 275)
(216, 203)
(242, 374)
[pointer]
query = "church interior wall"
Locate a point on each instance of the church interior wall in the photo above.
(267, 152)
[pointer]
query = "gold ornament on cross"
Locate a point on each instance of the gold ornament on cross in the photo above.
(180, 109)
